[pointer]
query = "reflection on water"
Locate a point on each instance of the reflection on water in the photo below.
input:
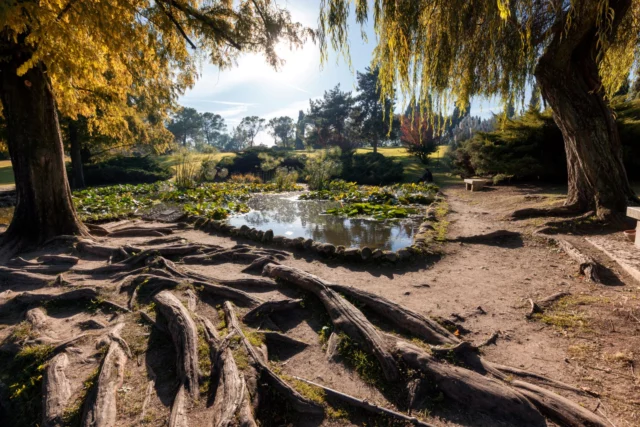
(289, 217)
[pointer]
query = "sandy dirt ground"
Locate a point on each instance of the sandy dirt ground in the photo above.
(589, 339)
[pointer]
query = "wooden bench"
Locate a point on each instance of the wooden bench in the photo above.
(634, 212)
(474, 184)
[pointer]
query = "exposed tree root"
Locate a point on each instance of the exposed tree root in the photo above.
(363, 404)
(97, 230)
(566, 210)
(242, 253)
(298, 402)
(232, 404)
(470, 388)
(588, 266)
(56, 391)
(93, 248)
(29, 299)
(344, 315)
(543, 304)
(558, 408)
(17, 278)
(412, 322)
(185, 340)
(141, 232)
(100, 407)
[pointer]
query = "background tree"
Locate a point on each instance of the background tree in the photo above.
(54, 53)
(579, 51)
(329, 120)
(301, 126)
(248, 129)
(186, 125)
(282, 130)
(418, 136)
(375, 117)
(213, 127)
(534, 101)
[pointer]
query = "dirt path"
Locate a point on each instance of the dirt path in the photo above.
(588, 340)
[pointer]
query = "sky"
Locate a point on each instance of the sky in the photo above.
(253, 88)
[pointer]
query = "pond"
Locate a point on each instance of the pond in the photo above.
(287, 216)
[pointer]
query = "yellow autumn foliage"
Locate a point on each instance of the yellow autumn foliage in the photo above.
(122, 63)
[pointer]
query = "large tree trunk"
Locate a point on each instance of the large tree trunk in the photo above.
(44, 208)
(568, 76)
(76, 155)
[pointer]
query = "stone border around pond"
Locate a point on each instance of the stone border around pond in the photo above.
(420, 247)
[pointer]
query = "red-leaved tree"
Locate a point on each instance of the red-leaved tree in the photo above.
(418, 137)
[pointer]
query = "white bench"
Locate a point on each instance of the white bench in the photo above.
(474, 184)
(634, 212)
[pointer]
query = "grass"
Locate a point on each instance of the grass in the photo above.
(6, 172)
(565, 313)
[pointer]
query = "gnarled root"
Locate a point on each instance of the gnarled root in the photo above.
(56, 391)
(298, 402)
(100, 407)
(470, 388)
(412, 322)
(588, 266)
(367, 406)
(563, 210)
(232, 403)
(185, 339)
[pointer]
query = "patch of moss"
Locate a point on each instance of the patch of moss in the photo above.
(361, 361)
(23, 374)
(255, 338)
(204, 359)
(73, 413)
(241, 358)
(21, 332)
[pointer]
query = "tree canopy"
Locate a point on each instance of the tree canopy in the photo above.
(107, 59)
(444, 50)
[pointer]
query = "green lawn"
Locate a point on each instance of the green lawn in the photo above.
(6, 173)
(173, 159)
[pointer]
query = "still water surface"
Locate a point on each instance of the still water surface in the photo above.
(290, 217)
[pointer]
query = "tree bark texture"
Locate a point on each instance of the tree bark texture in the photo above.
(44, 207)
(569, 78)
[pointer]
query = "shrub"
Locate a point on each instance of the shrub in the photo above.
(125, 170)
(259, 159)
(208, 170)
(321, 168)
(372, 169)
(501, 178)
(532, 147)
(285, 178)
(246, 178)
(186, 171)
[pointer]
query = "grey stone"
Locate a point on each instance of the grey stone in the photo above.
(366, 253)
(390, 256)
(403, 255)
(328, 249)
(278, 240)
(340, 250)
(268, 236)
(377, 254)
(352, 254)
(308, 243)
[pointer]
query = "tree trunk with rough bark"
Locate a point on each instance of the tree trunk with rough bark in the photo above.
(76, 155)
(568, 76)
(44, 207)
